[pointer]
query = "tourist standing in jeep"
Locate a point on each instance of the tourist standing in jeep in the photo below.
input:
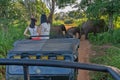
(44, 27)
(32, 28)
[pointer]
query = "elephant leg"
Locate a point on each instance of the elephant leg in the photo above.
(86, 35)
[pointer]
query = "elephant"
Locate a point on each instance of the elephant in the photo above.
(58, 31)
(93, 26)
(74, 32)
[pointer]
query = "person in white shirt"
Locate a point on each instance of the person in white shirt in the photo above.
(32, 29)
(44, 27)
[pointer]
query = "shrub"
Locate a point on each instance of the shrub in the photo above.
(106, 37)
(110, 57)
(55, 23)
(68, 21)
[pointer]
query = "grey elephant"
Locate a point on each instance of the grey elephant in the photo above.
(93, 26)
(74, 32)
(58, 31)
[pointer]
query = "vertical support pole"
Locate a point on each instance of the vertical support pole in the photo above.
(26, 73)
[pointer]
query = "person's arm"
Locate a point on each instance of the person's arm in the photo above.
(39, 30)
(26, 32)
(64, 33)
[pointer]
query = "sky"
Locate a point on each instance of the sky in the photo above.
(66, 9)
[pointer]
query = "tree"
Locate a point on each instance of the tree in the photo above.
(75, 14)
(5, 7)
(53, 3)
(97, 8)
(8, 11)
(35, 7)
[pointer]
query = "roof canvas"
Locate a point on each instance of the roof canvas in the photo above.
(46, 45)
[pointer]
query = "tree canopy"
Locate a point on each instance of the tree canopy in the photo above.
(97, 8)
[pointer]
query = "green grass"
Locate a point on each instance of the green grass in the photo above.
(7, 39)
(106, 56)
(106, 37)
(8, 35)
(107, 52)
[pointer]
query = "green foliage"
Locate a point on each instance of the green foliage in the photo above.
(75, 14)
(106, 56)
(63, 3)
(58, 22)
(5, 6)
(117, 22)
(21, 9)
(117, 45)
(79, 22)
(111, 57)
(68, 21)
(39, 7)
(8, 34)
(106, 37)
(7, 39)
(10, 30)
(96, 8)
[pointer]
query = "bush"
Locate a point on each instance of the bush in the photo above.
(68, 21)
(106, 37)
(8, 35)
(110, 57)
(55, 23)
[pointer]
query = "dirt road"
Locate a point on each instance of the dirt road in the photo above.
(84, 50)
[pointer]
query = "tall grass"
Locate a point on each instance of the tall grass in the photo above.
(106, 56)
(7, 38)
(110, 57)
(8, 35)
(106, 37)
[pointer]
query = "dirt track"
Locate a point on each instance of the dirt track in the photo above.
(84, 50)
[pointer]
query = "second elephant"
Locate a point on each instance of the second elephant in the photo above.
(93, 26)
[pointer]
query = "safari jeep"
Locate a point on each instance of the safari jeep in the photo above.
(51, 49)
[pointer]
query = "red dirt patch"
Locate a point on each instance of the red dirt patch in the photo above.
(67, 27)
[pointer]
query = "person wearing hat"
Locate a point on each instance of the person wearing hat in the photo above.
(32, 29)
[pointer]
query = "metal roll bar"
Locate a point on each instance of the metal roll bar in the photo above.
(77, 65)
